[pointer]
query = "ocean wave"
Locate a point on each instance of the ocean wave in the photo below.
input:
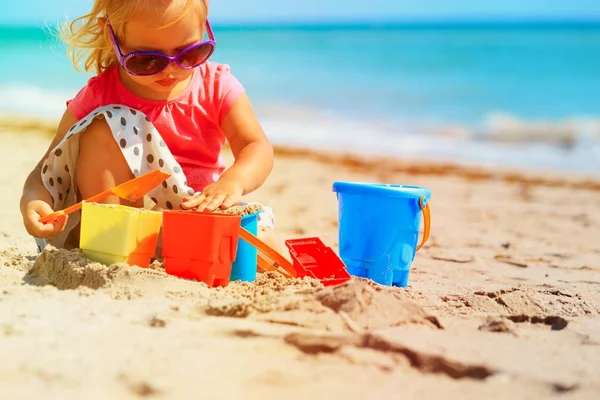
(568, 133)
(500, 139)
(495, 127)
(570, 145)
(25, 100)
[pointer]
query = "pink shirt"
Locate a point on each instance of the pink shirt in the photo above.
(189, 124)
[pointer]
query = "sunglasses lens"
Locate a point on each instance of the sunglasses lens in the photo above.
(195, 56)
(143, 64)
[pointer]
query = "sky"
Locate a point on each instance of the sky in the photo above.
(41, 11)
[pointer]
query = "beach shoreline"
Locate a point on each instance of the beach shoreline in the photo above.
(363, 161)
(503, 301)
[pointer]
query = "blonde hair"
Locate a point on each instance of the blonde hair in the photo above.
(89, 43)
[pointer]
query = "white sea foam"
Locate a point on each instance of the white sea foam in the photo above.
(570, 145)
(33, 101)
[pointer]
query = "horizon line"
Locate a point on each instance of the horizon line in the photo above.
(439, 22)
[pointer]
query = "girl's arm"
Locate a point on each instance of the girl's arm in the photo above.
(253, 160)
(35, 199)
(250, 146)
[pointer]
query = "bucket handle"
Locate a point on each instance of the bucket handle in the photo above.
(426, 222)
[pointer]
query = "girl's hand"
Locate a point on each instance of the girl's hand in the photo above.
(223, 193)
(36, 209)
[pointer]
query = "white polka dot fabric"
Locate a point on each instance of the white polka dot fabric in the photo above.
(143, 148)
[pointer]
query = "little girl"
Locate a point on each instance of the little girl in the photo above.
(155, 103)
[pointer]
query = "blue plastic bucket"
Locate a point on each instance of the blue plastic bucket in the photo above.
(379, 229)
(244, 265)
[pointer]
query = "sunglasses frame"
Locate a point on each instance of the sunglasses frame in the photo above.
(123, 58)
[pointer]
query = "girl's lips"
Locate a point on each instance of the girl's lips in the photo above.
(166, 82)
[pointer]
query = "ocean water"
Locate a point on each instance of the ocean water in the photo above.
(520, 94)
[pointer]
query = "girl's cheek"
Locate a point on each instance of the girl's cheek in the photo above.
(144, 80)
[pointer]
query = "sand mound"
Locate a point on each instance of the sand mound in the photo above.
(69, 270)
(353, 306)
(373, 309)
(241, 210)
(358, 305)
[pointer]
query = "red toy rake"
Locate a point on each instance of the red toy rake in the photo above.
(312, 258)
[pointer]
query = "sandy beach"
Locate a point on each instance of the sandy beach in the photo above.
(503, 302)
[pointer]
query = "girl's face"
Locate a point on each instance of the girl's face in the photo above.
(146, 32)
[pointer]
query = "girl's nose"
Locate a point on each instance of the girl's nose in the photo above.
(171, 69)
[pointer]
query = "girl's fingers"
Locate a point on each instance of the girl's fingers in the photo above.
(193, 202)
(228, 202)
(52, 228)
(202, 205)
(45, 230)
(60, 223)
(208, 201)
(210, 204)
(37, 228)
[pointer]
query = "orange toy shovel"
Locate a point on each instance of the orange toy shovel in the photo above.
(268, 258)
(130, 191)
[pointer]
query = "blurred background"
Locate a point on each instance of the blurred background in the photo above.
(513, 82)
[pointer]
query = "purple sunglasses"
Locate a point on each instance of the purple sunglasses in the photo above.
(144, 63)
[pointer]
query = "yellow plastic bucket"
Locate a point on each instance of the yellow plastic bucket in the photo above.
(119, 234)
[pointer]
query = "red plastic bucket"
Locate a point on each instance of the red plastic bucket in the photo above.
(200, 246)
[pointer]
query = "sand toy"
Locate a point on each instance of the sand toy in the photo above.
(244, 265)
(112, 233)
(379, 229)
(131, 190)
(268, 258)
(200, 245)
(116, 233)
(313, 259)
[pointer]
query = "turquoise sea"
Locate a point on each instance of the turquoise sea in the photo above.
(521, 93)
